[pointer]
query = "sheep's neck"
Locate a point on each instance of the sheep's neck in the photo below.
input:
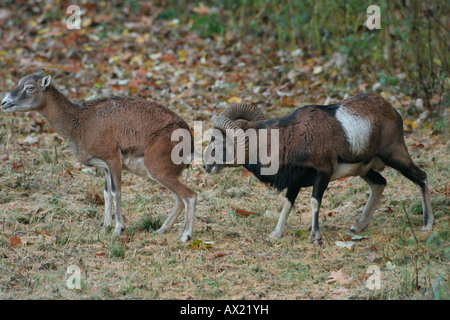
(62, 114)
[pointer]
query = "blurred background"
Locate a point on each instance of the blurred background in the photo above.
(311, 49)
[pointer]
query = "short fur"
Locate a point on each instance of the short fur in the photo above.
(113, 133)
(315, 148)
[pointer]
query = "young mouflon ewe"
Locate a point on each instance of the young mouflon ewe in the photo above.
(319, 144)
(114, 134)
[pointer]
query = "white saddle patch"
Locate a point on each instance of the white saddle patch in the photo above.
(357, 130)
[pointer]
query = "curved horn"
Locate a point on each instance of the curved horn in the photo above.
(243, 111)
(228, 127)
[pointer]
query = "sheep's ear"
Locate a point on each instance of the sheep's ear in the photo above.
(41, 72)
(46, 81)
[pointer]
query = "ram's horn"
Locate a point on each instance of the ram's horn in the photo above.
(243, 111)
(229, 128)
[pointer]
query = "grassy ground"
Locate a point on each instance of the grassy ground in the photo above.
(51, 207)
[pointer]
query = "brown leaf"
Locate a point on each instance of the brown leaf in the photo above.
(14, 240)
(201, 9)
(339, 278)
(246, 173)
(16, 165)
(69, 173)
(136, 83)
(100, 254)
(46, 232)
(417, 146)
(244, 213)
(127, 237)
(168, 57)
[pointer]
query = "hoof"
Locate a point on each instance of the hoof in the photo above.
(185, 237)
(275, 235)
(315, 238)
(161, 231)
(356, 228)
(118, 231)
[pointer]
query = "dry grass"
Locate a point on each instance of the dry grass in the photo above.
(53, 205)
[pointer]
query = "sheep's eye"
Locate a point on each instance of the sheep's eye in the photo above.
(30, 89)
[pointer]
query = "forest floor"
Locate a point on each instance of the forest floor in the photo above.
(51, 206)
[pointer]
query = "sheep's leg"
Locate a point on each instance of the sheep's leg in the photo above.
(376, 183)
(190, 204)
(108, 200)
(289, 201)
(179, 205)
(319, 187)
(401, 161)
(169, 179)
(189, 199)
(115, 169)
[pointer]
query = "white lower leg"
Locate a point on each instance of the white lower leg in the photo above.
(426, 209)
(376, 191)
(189, 219)
(108, 209)
(118, 213)
(172, 217)
(315, 233)
(279, 229)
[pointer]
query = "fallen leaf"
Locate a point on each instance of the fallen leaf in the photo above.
(246, 173)
(350, 245)
(340, 291)
(16, 165)
(14, 240)
(201, 9)
(371, 257)
(244, 213)
(317, 70)
(100, 254)
(168, 57)
(339, 277)
(199, 244)
(388, 210)
(127, 237)
(234, 100)
(417, 146)
(69, 173)
(356, 237)
(31, 140)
